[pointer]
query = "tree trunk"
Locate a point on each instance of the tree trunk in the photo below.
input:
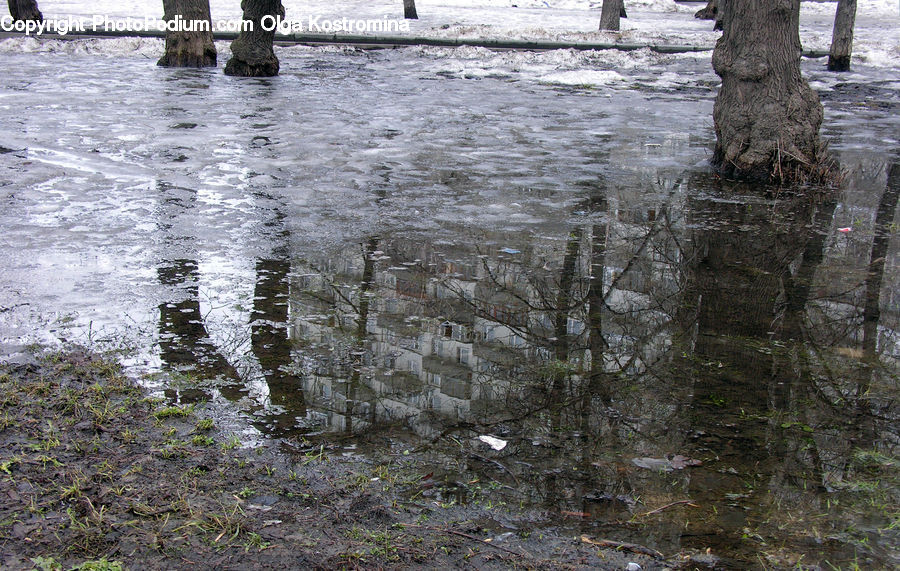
(409, 10)
(766, 116)
(610, 14)
(193, 47)
(842, 37)
(708, 13)
(720, 14)
(25, 10)
(252, 52)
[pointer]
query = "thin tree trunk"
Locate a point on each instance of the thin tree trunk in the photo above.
(766, 116)
(842, 37)
(610, 14)
(252, 52)
(25, 10)
(409, 10)
(193, 47)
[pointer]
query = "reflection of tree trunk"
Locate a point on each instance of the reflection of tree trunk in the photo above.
(597, 382)
(564, 297)
(269, 340)
(884, 219)
(797, 287)
(252, 52)
(183, 340)
(561, 322)
(842, 36)
(368, 280)
(366, 285)
(188, 48)
(746, 387)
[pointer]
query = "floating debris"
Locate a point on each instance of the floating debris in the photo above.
(493, 442)
(677, 462)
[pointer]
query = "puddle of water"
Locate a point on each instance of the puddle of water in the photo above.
(670, 360)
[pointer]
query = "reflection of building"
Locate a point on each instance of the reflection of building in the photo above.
(455, 332)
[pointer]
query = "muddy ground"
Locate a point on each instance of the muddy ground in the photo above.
(95, 474)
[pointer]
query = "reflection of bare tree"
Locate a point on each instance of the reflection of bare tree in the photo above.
(745, 356)
(365, 295)
(884, 220)
(183, 339)
(269, 340)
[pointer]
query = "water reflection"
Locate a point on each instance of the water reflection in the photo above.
(270, 346)
(615, 359)
(689, 353)
(562, 282)
(184, 342)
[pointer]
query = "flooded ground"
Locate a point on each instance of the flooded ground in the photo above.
(536, 288)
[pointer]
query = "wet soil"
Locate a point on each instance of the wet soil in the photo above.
(94, 473)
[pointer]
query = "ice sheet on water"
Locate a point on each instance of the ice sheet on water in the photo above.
(147, 48)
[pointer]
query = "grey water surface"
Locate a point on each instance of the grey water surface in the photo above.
(380, 243)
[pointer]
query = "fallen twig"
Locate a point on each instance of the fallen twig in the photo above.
(667, 506)
(632, 547)
(496, 463)
(467, 536)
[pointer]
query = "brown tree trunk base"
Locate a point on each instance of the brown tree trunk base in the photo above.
(840, 63)
(188, 48)
(409, 10)
(259, 68)
(709, 12)
(766, 116)
(252, 54)
(610, 14)
(842, 36)
(188, 56)
(25, 11)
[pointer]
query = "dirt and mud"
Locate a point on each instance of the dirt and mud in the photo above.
(96, 474)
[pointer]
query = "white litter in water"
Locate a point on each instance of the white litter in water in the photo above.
(493, 442)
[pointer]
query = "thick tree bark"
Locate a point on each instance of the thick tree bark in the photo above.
(610, 14)
(252, 52)
(842, 37)
(409, 10)
(193, 47)
(25, 10)
(766, 116)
